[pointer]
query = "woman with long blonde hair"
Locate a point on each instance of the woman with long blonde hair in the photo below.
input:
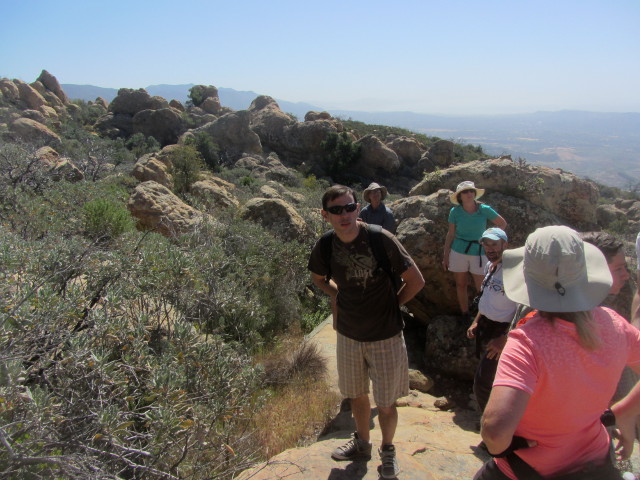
(558, 372)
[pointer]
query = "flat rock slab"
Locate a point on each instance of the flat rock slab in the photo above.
(430, 444)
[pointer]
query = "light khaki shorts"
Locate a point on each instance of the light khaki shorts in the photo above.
(383, 362)
(459, 262)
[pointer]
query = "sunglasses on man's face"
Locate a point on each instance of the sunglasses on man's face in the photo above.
(337, 209)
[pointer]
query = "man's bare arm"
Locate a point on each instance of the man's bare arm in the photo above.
(413, 283)
(331, 289)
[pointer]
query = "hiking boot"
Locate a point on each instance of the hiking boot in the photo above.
(354, 449)
(389, 467)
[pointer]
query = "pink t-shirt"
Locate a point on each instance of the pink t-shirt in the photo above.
(570, 387)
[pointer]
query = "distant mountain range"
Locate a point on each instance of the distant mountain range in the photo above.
(235, 99)
(601, 146)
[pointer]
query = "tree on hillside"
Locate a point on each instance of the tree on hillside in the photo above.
(340, 153)
(186, 163)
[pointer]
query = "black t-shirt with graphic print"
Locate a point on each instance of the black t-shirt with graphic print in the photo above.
(367, 301)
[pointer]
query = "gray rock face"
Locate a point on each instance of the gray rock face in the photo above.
(130, 101)
(165, 124)
(232, 133)
(214, 194)
(409, 151)
(51, 83)
(30, 130)
(439, 155)
(277, 216)
(376, 158)
(157, 208)
(571, 199)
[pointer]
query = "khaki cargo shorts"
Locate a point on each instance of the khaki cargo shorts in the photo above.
(384, 362)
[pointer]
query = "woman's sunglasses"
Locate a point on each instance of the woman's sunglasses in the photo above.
(337, 209)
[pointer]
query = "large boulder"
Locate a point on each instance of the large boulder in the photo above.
(32, 131)
(606, 214)
(277, 216)
(65, 169)
(408, 149)
(206, 98)
(270, 168)
(422, 228)
(312, 116)
(157, 208)
(269, 122)
(177, 105)
(631, 209)
(439, 155)
(153, 167)
(130, 101)
(214, 194)
(232, 133)
(376, 159)
(447, 349)
(164, 124)
(114, 125)
(57, 167)
(573, 200)
(102, 102)
(303, 140)
(29, 96)
(9, 90)
(51, 83)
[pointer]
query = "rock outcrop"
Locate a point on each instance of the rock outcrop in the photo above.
(214, 194)
(233, 135)
(270, 168)
(408, 149)
(572, 199)
(154, 167)
(376, 160)
(33, 131)
(51, 83)
(135, 111)
(277, 216)
(164, 124)
(439, 155)
(158, 209)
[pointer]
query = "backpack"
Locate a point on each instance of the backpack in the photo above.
(377, 247)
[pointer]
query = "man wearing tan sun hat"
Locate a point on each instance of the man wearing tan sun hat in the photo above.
(377, 212)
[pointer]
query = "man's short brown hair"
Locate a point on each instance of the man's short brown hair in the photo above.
(336, 191)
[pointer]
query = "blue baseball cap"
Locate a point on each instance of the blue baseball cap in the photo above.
(494, 233)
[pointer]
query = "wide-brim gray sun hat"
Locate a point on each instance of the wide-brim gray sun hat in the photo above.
(556, 271)
(374, 186)
(466, 185)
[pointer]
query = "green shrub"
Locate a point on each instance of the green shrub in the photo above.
(140, 145)
(105, 220)
(186, 164)
(340, 153)
(207, 148)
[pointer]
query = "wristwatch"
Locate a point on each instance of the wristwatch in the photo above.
(608, 418)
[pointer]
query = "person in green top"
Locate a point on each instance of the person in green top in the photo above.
(462, 252)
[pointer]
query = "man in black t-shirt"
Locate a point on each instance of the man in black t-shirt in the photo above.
(366, 315)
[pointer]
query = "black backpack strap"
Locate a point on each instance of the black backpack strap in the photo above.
(326, 247)
(380, 253)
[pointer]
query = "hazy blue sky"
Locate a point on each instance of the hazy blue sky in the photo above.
(445, 56)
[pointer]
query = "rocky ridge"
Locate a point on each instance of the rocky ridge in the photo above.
(271, 145)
